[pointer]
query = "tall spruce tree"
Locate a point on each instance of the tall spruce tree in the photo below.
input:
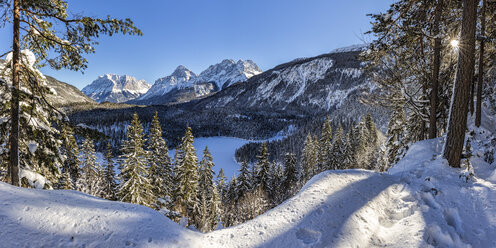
(206, 219)
(395, 133)
(309, 157)
(244, 179)
(325, 145)
(262, 177)
(70, 151)
(89, 182)
(35, 26)
(135, 187)
(290, 183)
(337, 150)
(109, 182)
(160, 170)
(186, 177)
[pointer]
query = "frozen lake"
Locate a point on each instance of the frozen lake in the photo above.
(222, 150)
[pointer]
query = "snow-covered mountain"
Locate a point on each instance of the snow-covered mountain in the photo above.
(64, 93)
(330, 83)
(229, 72)
(184, 85)
(116, 88)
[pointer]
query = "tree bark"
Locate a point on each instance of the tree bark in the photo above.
(435, 72)
(14, 103)
(471, 98)
(457, 122)
(481, 65)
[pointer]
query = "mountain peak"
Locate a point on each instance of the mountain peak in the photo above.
(182, 72)
(116, 88)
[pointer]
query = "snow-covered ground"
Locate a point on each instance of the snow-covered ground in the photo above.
(421, 202)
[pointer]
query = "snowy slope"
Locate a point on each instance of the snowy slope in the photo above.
(420, 202)
(116, 88)
(61, 218)
(64, 93)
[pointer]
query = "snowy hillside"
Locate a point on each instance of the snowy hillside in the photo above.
(64, 93)
(332, 83)
(115, 88)
(420, 202)
(184, 85)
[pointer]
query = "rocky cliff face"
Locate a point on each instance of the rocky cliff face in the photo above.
(116, 88)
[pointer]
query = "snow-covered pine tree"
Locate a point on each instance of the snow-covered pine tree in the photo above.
(338, 147)
(309, 158)
(37, 136)
(186, 177)
(70, 151)
(109, 182)
(348, 155)
(395, 134)
(372, 130)
(231, 213)
(160, 171)
(325, 145)
(221, 182)
(290, 183)
(36, 26)
(135, 186)
(276, 177)
(206, 219)
(263, 169)
(221, 189)
(89, 182)
(244, 179)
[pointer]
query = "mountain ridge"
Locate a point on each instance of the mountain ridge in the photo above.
(115, 88)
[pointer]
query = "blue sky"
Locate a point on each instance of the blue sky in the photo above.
(199, 33)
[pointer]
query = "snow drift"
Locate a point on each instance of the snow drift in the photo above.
(421, 202)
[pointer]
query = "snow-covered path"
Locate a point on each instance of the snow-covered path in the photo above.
(421, 202)
(336, 209)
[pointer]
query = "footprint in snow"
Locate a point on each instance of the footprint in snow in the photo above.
(308, 236)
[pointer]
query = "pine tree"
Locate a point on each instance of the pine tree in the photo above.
(464, 75)
(263, 169)
(135, 186)
(186, 174)
(89, 182)
(206, 219)
(348, 161)
(244, 179)
(325, 152)
(337, 151)
(160, 171)
(70, 151)
(35, 26)
(309, 158)
(290, 182)
(221, 180)
(275, 191)
(231, 213)
(372, 130)
(109, 182)
(395, 133)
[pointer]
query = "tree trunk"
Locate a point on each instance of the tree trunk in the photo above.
(14, 103)
(481, 65)
(435, 71)
(471, 98)
(457, 122)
